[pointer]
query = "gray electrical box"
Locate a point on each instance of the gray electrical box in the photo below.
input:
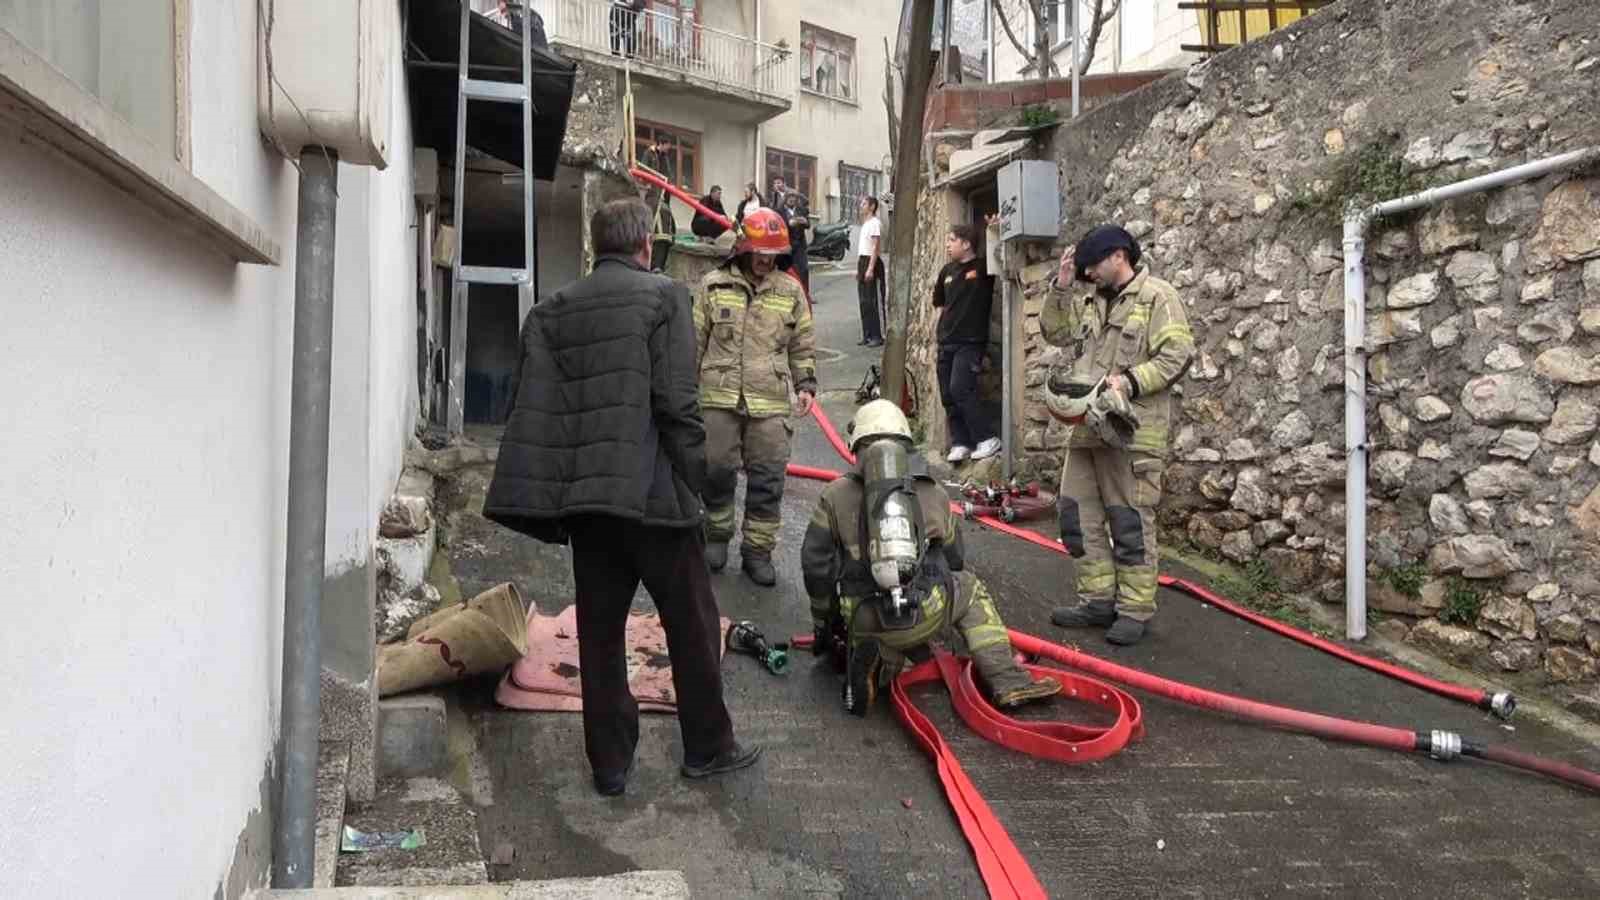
(1030, 199)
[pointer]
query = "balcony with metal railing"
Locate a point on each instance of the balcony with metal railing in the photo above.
(667, 50)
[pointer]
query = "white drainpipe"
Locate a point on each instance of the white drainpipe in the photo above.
(1355, 359)
(758, 131)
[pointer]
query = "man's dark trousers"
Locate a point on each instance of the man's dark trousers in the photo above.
(870, 296)
(958, 367)
(610, 556)
(802, 269)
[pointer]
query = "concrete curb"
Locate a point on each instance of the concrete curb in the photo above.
(657, 885)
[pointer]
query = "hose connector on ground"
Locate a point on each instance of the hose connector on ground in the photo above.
(1503, 704)
(1444, 745)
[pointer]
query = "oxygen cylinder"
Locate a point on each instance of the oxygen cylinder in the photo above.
(894, 516)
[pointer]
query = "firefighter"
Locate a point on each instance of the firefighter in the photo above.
(757, 365)
(882, 562)
(1132, 343)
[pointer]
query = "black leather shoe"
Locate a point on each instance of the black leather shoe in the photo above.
(613, 785)
(730, 760)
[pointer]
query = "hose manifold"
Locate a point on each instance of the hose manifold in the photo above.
(1503, 704)
(1444, 745)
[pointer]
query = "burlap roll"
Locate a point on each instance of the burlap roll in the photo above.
(484, 634)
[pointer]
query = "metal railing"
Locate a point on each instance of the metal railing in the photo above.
(662, 39)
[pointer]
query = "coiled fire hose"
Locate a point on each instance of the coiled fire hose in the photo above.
(1005, 871)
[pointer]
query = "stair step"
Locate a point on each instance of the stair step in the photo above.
(450, 856)
(656, 885)
(333, 773)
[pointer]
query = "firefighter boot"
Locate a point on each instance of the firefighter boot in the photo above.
(1094, 614)
(1125, 632)
(861, 676)
(717, 555)
(759, 567)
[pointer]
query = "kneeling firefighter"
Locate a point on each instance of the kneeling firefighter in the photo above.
(757, 347)
(883, 564)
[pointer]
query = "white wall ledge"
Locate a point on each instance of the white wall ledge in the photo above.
(49, 109)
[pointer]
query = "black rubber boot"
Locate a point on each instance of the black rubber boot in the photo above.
(759, 568)
(717, 556)
(861, 677)
(1125, 632)
(1094, 614)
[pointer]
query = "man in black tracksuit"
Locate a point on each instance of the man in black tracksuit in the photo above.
(606, 449)
(964, 295)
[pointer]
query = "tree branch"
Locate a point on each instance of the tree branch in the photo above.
(1100, 18)
(1005, 25)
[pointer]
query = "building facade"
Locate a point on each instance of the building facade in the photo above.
(740, 91)
(148, 236)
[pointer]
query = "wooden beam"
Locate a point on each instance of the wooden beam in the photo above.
(907, 187)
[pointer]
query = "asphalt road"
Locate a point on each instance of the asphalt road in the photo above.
(1204, 806)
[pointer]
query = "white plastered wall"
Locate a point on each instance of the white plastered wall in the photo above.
(146, 467)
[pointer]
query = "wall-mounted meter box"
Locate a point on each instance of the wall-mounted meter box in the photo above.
(329, 76)
(1030, 199)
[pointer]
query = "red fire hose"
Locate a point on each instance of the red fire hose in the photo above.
(1004, 869)
(652, 178)
(1501, 703)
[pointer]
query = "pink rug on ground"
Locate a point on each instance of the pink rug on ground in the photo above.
(546, 679)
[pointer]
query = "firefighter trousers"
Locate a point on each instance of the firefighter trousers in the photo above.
(1107, 508)
(971, 614)
(760, 447)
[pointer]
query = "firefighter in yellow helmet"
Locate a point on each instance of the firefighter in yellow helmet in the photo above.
(882, 561)
(758, 366)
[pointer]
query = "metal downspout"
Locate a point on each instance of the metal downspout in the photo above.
(757, 150)
(1355, 373)
(293, 844)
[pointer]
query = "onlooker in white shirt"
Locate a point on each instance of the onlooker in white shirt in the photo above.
(869, 275)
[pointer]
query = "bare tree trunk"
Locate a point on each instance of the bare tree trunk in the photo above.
(1043, 59)
(1039, 56)
(1097, 23)
(907, 188)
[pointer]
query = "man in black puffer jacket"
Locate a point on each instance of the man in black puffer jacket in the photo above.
(605, 449)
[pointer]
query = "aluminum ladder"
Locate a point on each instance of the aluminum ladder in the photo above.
(471, 89)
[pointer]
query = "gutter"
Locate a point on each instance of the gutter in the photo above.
(1355, 357)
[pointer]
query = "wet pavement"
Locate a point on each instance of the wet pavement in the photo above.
(1204, 806)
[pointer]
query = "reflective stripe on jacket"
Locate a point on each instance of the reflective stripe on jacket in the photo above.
(756, 342)
(1144, 333)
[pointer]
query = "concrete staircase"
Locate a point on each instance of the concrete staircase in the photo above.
(451, 865)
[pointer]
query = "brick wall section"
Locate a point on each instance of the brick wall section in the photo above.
(973, 106)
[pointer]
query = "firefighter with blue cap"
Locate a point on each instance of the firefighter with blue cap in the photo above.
(1133, 343)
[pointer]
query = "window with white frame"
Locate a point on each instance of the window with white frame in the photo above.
(827, 62)
(122, 52)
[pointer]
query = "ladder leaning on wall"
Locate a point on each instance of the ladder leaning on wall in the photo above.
(525, 279)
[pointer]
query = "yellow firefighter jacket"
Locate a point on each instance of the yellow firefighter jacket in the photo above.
(756, 342)
(1143, 333)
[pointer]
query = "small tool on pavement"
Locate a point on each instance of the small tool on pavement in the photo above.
(746, 638)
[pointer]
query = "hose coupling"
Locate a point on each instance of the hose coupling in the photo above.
(1445, 745)
(1503, 704)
